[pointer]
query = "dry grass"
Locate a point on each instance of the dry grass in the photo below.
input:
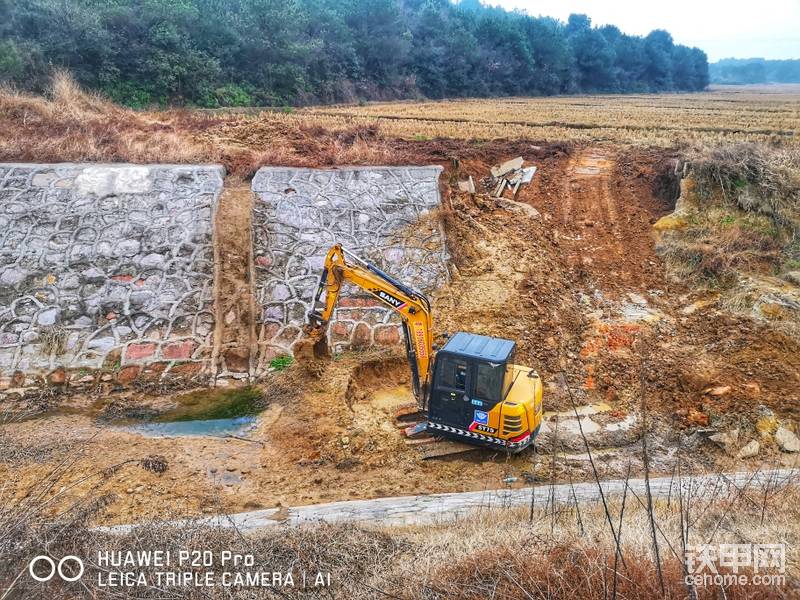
(742, 207)
(70, 124)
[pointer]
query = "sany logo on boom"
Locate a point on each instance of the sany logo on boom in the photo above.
(389, 299)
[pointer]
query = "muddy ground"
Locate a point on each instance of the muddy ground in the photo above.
(578, 285)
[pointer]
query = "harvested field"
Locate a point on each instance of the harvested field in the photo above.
(722, 115)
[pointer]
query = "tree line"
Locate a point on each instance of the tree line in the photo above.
(754, 70)
(292, 52)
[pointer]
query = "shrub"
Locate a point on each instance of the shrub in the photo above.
(232, 95)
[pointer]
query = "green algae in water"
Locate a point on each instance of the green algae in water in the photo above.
(212, 404)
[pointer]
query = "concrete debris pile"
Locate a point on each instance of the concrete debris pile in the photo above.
(509, 176)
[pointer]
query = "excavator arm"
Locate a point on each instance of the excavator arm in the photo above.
(413, 307)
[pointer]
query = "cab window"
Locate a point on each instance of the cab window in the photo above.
(509, 375)
(454, 373)
(489, 383)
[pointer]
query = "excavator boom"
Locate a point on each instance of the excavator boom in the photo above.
(342, 266)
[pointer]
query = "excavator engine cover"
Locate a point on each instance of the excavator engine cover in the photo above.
(480, 396)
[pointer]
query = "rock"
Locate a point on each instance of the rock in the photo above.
(518, 207)
(30, 336)
(637, 299)
(93, 275)
(153, 261)
(102, 344)
(670, 222)
(48, 317)
(726, 440)
(12, 276)
(695, 417)
(128, 248)
(786, 440)
(57, 377)
(720, 390)
(749, 450)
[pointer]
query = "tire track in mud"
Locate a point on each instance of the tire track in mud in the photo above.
(601, 210)
(607, 233)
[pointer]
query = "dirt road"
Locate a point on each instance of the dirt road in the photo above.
(602, 218)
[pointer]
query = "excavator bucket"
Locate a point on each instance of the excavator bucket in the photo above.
(313, 347)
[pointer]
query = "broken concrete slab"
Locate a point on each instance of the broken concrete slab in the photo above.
(527, 174)
(507, 167)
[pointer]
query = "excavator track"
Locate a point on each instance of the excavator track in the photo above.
(417, 435)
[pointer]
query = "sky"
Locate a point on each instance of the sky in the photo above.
(723, 28)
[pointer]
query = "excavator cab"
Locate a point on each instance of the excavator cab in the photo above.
(479, 395)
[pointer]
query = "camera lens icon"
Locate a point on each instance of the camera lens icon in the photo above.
(56, 568)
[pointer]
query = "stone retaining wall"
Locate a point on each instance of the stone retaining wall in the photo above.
(106, 267)
(381, 213)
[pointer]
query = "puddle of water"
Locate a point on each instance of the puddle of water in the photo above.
(214, 404)
(205, 427)
(215, 412)
(208, 412)
(586, 424)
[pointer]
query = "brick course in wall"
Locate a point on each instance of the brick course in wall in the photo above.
(383, 214)
(106, 267)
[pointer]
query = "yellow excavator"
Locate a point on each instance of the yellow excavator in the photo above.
(470, 390)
